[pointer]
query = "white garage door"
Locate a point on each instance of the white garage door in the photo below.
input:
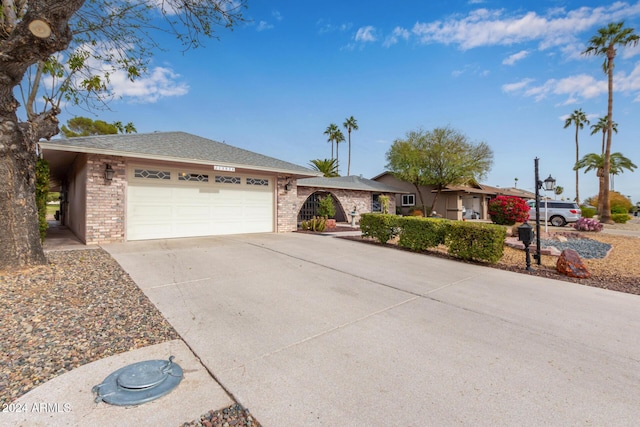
(166, 203)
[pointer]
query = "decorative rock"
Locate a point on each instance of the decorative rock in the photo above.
(561, 239)
(570, 264)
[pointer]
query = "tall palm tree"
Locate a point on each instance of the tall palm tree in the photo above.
(328, 167)
(330, 132)
(338, 137)
(595, 162)
(603, 126)
(604, 44)
(579, 118)
(350, 124)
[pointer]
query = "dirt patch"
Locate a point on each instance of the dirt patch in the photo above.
(619, 271)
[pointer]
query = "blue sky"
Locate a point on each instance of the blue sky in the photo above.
(504, 72)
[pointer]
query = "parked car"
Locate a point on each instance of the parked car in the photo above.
(558, 213)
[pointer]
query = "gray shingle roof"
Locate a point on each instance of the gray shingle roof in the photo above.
(351, 182)
(175, 146)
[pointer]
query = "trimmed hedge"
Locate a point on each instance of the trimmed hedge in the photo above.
(419, 233)
(382, 227)
(466, 240)
(479, 242)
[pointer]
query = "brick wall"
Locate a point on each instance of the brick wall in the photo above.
(348, 199)
(286, 204)
(105, 213)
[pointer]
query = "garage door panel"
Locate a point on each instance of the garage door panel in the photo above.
(169, 209)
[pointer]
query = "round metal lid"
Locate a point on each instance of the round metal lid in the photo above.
(139, 383)
(143, 374)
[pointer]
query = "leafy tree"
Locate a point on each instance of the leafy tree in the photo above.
(328, 167)
(350, 124)
(603, 126)
(595, 162)
(330, 132)
(84, 126)
(604, 44)
(440, 157)
(579, 119)
(54, 51)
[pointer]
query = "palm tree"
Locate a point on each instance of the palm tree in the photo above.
(350, 124)
(558, 191)
(595, 162)
(328, 167)
(603, 126)
(579, 118)
(330, 132)
(604, 43)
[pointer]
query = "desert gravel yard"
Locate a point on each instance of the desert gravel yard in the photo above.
(83, 307)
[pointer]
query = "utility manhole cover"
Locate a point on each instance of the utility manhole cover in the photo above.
(139, 383)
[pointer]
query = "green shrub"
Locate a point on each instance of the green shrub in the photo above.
(384, 203)
(419, 234)
(473, 241)
(507, 210)
(326, 207)
(620, 218)
(588, 212)
(317, 223)
(379, 226)
(618, 209)
(42, 191)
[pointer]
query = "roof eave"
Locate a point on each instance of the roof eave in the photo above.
(144, 156)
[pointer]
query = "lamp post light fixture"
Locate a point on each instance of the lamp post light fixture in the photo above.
(108, 173)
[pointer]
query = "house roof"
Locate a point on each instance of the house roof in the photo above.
(351, 182)
(477, 188)
(175, 146)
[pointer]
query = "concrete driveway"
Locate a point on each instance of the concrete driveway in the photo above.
(311, 330)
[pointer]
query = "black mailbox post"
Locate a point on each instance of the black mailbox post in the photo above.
(526, 236)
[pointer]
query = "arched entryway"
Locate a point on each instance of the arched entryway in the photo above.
(309, 208)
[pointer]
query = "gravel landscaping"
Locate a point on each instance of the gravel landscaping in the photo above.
(80, 308)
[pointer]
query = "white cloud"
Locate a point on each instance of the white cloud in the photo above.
(328, 27)
(512, 59)
(160, 83)
(366, 34)
(277, 15)
(397, 34)
(264, 25)
(484, 27)
(514, 87)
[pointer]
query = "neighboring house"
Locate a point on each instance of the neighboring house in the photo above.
(117, 188)
(351, 194)
(453, 202)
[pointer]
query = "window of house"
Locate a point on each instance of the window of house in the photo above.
(151, 174)
(227, 179)
(408, 200)
(198, 177)
(376, 206)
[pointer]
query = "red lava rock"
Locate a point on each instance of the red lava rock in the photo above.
(570, 264)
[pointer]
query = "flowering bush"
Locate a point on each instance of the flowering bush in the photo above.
(507, 210)
(588, 224)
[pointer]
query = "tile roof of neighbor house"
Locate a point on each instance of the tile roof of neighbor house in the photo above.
(175, 146)
(351, 182)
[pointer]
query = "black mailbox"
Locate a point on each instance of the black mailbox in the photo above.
(525, 233)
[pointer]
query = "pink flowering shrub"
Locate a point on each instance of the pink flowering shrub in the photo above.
(507, 210)
(588, 224)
